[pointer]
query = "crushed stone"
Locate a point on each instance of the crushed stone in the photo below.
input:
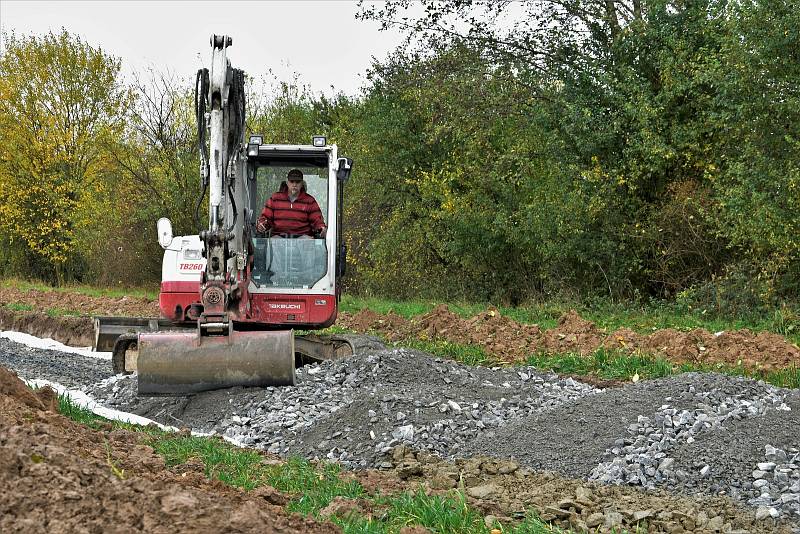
(356, 411)
(71, 370)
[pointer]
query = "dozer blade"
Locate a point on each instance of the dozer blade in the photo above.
(183, 363)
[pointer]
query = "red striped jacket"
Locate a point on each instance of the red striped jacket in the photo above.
(301, 217)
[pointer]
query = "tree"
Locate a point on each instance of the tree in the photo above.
(60, 99)
(157, 175)
(673, 123)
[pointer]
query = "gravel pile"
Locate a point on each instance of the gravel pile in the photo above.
(642, 457)
(71, 370)
(778, 481)
(692, 433)
(355, 410)
(696, 433)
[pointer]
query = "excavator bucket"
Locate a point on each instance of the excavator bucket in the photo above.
(183, 363)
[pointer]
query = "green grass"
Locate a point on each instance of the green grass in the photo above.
(81, 415)
(311, 487)
(19, 306)
(63, 312)
(468, 354)
(545, 315)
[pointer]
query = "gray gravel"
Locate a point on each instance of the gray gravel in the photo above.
(692, 433)
(71, 370)
(356, 410)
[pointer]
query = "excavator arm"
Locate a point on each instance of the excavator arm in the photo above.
(215, 355)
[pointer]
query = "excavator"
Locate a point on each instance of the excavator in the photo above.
(231, 298)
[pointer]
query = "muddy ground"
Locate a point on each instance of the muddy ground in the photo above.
(60, 476)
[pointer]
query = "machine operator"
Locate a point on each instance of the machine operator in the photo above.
(291, 212)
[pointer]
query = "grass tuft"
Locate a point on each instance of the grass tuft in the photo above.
(467, 354)
(68, 408)
(19, 306)
(61, 312)
(311, 486)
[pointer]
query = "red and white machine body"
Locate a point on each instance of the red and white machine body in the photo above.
(233, 296)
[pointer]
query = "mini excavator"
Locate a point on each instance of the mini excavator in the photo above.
(231, 299)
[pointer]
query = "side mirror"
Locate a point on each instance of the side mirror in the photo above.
(164, 227)
(343, 172)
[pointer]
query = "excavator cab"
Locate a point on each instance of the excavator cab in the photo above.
(285, 283)
(285, 260)
(294, 279)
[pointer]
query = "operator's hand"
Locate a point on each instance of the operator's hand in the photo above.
(261, 227)
(323, 233)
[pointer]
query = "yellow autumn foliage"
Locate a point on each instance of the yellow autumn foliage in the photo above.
(61, 102)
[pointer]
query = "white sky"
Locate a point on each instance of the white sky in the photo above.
(318, 39)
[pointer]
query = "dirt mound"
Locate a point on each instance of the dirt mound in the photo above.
(11, 386)
(60, 301)
(572, 334)
(503, 490)
(753, 350)
(393, 326)
(73, 331)
(440, 322)
(59, 476)
(508, 340)
(622, 339)
(501, 335)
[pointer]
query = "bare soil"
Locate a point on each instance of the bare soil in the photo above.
(60, 476)
(501, 337)
(510, 341)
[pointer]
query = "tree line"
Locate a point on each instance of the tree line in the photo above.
(508, 151)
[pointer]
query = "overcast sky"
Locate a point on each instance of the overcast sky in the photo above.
(319, 40)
